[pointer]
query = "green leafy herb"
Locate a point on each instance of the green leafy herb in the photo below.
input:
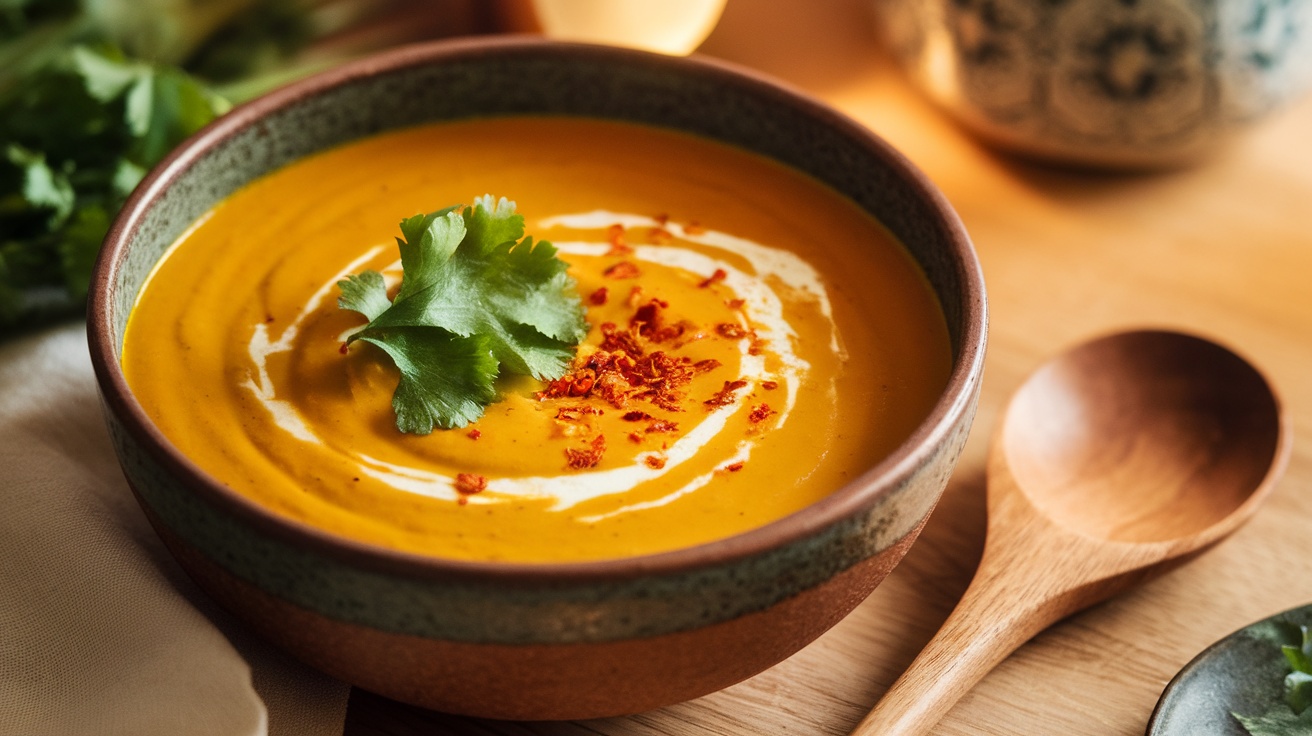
(1293, 717)
(78, 135)
(95, 92)
(476, 296)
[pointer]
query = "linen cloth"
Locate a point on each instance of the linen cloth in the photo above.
(101, 633)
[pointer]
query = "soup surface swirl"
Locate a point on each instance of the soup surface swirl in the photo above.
(778, 342)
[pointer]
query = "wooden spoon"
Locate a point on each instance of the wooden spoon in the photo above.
(1115, 462)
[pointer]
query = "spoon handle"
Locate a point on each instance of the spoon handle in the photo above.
(1031, 575)
(988, 624)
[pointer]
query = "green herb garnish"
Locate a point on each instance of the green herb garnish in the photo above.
(476, 296)
(95, 92)
(75, 138)
(1293, 717)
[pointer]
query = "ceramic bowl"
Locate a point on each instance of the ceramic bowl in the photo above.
(1107, 83)
(539, 641)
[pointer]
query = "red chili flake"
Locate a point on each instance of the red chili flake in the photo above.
(575, 413)
(622, 270)
(734, 468)
(581, 385)
(636, 416)
(268, 318)
(649, 322)
(769, 385)
(757, 346)
(760, 413)
(615, 234)
(580, 459)
(694, 228)
(731, 330)
(598, 297)
(725, 396)
(735, 303)
(635, 438)
(704, 366)
(474, 434)
(661, 425)
(659, 236)
(662, 219)
(615, 341)
(715, 278)
(467, 484)
(344, 349)
(655, 462)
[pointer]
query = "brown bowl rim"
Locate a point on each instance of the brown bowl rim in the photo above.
(867, 489)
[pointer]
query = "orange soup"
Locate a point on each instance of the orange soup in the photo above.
(755, 342)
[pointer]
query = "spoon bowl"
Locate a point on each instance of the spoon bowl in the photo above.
(1115, 462)
(1189, 425)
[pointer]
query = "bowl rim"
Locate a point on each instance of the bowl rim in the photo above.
(955, 403)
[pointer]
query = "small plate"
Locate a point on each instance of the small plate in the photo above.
(1243, 672)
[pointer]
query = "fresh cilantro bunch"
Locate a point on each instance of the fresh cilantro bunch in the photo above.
(1293, 717)
(75, 138)
(95, 92)
(476, 296)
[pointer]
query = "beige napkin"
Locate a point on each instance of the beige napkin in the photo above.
(101, 633)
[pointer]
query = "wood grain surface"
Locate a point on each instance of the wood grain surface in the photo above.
(1222, 249)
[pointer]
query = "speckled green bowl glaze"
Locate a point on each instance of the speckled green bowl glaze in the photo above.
(547, 641)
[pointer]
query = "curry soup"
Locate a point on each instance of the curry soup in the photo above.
(779, 343)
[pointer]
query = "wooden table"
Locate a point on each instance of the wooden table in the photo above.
(1223, 249)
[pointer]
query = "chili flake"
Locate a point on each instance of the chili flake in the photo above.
(615, 234)
(715, 278)
(662, 425)
(725, 396)
(636, 416)
(731, 331)
(735, 467)
(622, 270)
(581, 459)
(649, 321)
(599, 296)
(769, 385)
(655, 462)
(467, 484)
(704, 366)
(694, 228)
(575, 413)
(344, 349)
(659, 236)
(473, 434)
(760, 413)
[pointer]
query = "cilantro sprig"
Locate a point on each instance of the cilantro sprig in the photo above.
(477, 296)
(95, 92)
(74, 140)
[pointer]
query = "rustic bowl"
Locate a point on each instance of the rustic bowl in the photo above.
(539, 641)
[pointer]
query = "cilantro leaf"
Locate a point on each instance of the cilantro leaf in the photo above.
(446, 380)
(79, 131)
(1294, 716)
(476, 296)
(1278, 721)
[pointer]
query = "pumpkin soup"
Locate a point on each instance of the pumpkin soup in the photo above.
(754, 341)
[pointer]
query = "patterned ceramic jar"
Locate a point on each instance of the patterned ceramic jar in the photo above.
(1119, 83)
